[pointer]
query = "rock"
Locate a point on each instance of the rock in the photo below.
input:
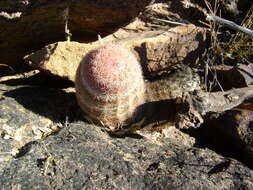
(59, 59)
(24, 120)
(230, 9)
(81, 155)
(151, 47)
(231, 131)
(171, 133)
(229, 77)
(29, 25)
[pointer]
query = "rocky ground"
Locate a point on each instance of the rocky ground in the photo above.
(83, 156)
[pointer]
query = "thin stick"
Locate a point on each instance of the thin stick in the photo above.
(19, 76)
(10, 15)
(100, 40)
(170, 22)
(66, 19)
(214, 18)
(7, 67)
(230, 24)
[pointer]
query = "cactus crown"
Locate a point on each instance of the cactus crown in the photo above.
(111, 72)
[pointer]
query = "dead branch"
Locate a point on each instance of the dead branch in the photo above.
(217, 19)
(220, 101)
(229, 23)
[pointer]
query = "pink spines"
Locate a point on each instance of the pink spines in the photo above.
(110, 86)
(107, 69)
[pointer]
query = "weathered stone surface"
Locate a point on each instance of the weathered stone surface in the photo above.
(30, 24)
(83, 156)
(229, 77)
(157, 50)
(232, 130)
(24, 120)
(60, 59)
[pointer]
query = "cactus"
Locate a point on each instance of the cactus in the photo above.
(110, 85)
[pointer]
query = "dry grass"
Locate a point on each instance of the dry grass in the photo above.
(240, 46)
(213, 52)
(225, 47)
(237, 47)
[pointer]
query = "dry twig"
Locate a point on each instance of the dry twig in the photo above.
(220, 101)
(217, 19)
(230, 24)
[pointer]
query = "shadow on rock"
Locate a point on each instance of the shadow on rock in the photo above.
(229, 134)
(151, 117)
(54, 104)
(40, 79)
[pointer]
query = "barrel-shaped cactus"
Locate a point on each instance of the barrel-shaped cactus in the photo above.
(110, 85)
